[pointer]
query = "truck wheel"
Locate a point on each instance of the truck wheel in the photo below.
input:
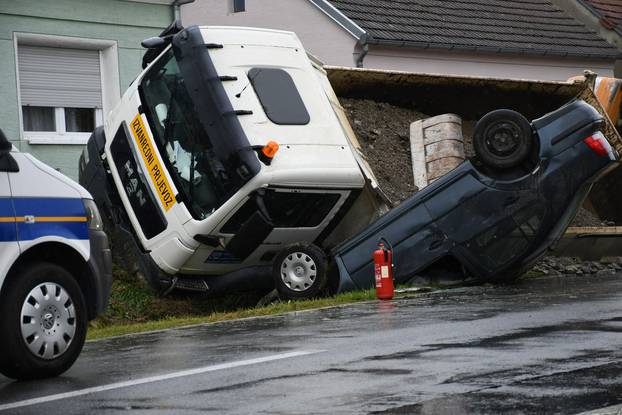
(300, 272)
(43, 322)
(503, 139)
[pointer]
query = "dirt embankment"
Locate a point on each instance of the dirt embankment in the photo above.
(383, 130)
(384, 133)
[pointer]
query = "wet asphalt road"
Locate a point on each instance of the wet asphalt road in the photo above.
(542, 346)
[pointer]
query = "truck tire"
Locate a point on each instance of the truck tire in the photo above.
(299, 272)
(503, 139)
(43, 322)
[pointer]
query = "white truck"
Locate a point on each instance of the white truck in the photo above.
(226, 164)
(55, 266)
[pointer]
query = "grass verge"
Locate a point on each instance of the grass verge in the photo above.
(98, 332)
(135, 309)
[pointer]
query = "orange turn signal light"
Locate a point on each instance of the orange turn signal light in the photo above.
(270, 149)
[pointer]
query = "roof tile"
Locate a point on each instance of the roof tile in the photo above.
(608, 9)
(535, 27)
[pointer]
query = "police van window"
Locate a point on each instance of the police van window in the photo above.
(287, 210)
(278, 96)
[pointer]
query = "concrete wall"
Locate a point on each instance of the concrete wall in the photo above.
(502, 66)
(318, 33)
(123, 23)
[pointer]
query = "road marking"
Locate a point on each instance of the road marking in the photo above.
(158, 378)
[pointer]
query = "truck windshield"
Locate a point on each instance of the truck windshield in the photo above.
(201, 178)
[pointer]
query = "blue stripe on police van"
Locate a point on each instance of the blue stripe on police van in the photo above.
(6, 207)
(50, 208)
(47, 206)
(69, 230)
(8, 232)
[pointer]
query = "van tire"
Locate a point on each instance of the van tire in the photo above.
(503, 139)
(299, 272)
(63, 319)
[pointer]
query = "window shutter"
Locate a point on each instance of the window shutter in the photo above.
(58, 77)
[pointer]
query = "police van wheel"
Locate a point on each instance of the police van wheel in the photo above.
(503, 139)
(43, 322)
(299, 272)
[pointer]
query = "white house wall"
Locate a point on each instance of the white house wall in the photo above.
(324, 38)
(501, 66)
(319, 34)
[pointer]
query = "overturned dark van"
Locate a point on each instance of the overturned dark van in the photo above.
(496, 220)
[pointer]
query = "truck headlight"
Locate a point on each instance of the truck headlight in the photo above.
(93, 218)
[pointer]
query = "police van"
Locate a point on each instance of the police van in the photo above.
(55, 266)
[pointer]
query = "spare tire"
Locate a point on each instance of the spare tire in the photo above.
(503, 139)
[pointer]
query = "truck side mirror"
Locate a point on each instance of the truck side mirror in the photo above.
(153, 42)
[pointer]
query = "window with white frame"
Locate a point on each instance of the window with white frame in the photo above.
(60, 94)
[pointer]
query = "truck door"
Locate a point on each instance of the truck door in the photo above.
(9, 249)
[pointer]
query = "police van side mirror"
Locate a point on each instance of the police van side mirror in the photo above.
(7, 162)
(5, 144)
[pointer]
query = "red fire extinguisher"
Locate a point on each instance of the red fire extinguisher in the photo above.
(383, 268)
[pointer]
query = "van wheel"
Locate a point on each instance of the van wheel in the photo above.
(299, 272)
(42, 321)
(503, 139)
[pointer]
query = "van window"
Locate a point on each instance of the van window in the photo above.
(287, 210)
(278, 96)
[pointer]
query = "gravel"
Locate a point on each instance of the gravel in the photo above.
(574, 266)
(586, 218)
(383, 131)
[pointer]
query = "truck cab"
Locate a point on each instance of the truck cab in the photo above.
(228, 162)
(55, 268)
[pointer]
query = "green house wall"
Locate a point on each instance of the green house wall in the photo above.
(125, 22)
